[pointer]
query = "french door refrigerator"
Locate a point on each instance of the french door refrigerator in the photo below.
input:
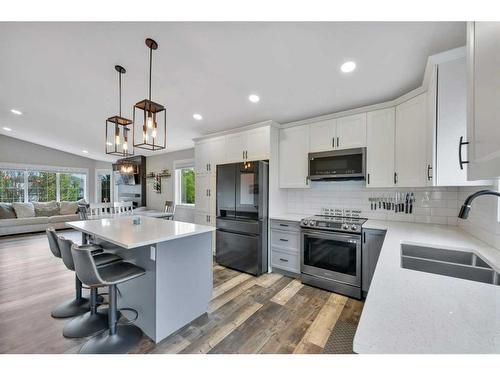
(242, 216)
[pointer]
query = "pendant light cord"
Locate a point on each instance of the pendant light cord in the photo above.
(120, 91)
(150, 68)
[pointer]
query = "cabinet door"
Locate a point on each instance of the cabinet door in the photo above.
(372, 244)
(258, 143)
(410, 140)
(235, 146)
(483, 59)
(202, 197)
(380, 148)
(322, 136)
(293, 157)
(201, 157)
(212, 194)
(351, 131)
(216, 149)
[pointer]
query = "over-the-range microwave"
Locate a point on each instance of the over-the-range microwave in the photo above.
(349, 164)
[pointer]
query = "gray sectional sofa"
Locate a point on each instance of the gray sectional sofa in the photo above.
(16, 218)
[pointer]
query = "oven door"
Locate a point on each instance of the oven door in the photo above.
(334, 256)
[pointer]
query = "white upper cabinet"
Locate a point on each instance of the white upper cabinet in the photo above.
(293, 157)
(411, 142)
(235, 147)
(322, 136)
(380, 148)
(351, 131)
(258, 143)
(208, 153)
(337, 134)
(251, 144)
(483, 109)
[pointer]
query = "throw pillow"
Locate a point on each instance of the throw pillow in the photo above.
(24, 209)
(7, 211)
(46, 208)
(68, 208)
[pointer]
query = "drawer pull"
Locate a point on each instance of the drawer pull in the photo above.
(284, 240)
(284, 260)
(283, 225)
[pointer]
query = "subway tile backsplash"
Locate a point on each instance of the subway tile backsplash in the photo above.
(432, 205)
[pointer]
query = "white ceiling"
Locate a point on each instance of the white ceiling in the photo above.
(61, 75)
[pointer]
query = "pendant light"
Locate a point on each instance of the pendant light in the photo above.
(117, 127)
(150, 136)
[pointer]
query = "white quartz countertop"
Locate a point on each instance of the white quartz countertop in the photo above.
(288, 217)
(122, 232)
(409, 311)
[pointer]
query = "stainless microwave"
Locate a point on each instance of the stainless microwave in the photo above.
(347, 164)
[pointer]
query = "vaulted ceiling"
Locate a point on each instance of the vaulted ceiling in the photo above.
(62, 77)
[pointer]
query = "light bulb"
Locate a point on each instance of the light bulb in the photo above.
(149, 122)
(125, 145)
(117, 139)
(153, 133)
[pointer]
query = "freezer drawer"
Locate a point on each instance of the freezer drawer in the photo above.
(239, 251)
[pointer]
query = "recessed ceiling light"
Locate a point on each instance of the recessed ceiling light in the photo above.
(6, 128)
(348, 66)
(16, 111)
(85, 151)
(197, 116)
(254, 98)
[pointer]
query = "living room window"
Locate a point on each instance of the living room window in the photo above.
(184, 183)
(11, 185)
(31, 185)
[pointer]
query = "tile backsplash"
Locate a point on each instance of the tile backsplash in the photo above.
(432, 205)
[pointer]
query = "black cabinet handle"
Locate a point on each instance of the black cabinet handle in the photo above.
(461, 162)
(283, 239)
(395, 178)
(333, 142)
(337, 141)
(364, 237)
(284, 260)
(368, 181)
(283, 225)
(429, 168)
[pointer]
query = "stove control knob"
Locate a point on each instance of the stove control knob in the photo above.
(305, 222)
(354, 227)
(312, 223)
(345, 226)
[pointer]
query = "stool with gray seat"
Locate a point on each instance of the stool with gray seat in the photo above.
(91, 321)
(119, 338)
(78, 305)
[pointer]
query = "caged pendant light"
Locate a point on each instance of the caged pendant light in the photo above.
(117, 127)
(153, 133)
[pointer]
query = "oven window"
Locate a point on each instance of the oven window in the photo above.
(330, 254)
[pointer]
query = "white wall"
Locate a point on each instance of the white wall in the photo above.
(432, 205)
(13, 150)
(156, 201)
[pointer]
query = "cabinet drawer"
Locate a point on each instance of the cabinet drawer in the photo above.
(286, 239)
(285, 225)
(285, 260)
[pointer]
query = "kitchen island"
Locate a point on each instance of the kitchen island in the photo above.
(177, 257)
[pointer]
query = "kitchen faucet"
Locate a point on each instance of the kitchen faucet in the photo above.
(464, 211)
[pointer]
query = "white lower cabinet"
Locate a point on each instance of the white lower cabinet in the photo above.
(411, 142)
(293, 157)
(285, 246)
(205, 218)
(380, 148)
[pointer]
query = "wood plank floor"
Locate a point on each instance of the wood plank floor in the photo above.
(267, 314)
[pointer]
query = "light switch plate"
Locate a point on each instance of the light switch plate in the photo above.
(152, 253)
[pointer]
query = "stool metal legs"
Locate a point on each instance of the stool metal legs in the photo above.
(77, 306)
(89, 323)
(118, 338)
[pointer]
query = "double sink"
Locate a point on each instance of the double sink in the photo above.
(453, 263)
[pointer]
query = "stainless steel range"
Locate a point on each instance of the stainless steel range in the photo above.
(331, 253)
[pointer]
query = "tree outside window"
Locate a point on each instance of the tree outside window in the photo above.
(11, 186)
(42, 186)
(186, 185)
(72, 186)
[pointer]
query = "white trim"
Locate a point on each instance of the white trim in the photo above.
(237, 130)
(96, 183)
(42, 168)
(183, 163)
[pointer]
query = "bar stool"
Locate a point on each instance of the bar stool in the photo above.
(78, 305)
(91, 321)
(119, 338)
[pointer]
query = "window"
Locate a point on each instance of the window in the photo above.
(72, 186)
(42, 186)
(29, 185)
(11, 186)
(185, 178)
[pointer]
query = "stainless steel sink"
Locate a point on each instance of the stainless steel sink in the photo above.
(446, 262)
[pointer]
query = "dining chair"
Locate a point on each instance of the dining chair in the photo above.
(121, 208)
(100, 209)
(170, 208)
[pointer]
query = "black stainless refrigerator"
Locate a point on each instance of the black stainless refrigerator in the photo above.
(242, 216)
